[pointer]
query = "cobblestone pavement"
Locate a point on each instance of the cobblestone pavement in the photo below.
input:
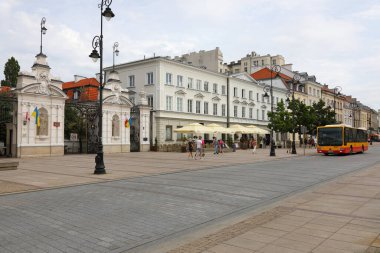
(130, 214)
(47, 172)
(339, 216)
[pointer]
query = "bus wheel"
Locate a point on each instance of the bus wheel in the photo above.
(326, 154)
(351, 150)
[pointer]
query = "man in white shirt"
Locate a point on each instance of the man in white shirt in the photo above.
(198, 144)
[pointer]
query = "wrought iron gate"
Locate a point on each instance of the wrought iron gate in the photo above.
(81, 127)
(135, 129)
(8, 125)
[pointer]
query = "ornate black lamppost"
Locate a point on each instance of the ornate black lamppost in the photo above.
(43, 31)
(98, 42)
(294, 82)
(276, 69)
(337, 93)
(115, 52)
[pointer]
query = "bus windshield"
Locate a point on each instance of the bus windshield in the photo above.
(330, 136)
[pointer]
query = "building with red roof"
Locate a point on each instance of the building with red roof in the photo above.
(82, 89)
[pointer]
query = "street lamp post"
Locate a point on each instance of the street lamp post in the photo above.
(43, 31)
(115, 51)
(98, 42)
(296, 79)
(276, 69)
(337, 91)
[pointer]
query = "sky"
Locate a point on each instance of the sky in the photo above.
(338, 41)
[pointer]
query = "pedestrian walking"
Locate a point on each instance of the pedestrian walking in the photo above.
(254, 144)
(220, 146)
(190, 148)
(215, 143)
(198, 151)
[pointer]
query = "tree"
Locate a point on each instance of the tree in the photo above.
(74, 123)
(323, 115)
(280, 120)
(11, 70)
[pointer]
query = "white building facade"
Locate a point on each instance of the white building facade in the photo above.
(180, 94)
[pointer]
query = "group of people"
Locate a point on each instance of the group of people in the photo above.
(218, 145)
(197, 145)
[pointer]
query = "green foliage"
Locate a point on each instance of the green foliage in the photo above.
(11, 70)
(280, 120)
(310, 116)
(323, 115)
(73, 122)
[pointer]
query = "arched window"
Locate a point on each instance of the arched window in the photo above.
(115, 126)
(43, 122)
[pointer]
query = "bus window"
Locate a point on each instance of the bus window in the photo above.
(330, 136)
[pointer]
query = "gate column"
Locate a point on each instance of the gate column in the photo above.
(144, 109)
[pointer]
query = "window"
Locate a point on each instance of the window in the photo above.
(257, 97)
(199, 83)
(115, 126)
(169, 133)
(317, 93)
(250, 94)
(257, 114)
(276, 100)
(255, 63)
(274, 62)
(149, 77)
(313, 92)
(205, 109)
(262, 62)
(150, 100)
(223, 110)
(179, 104)
(180, 81)
(263, 114)
(243, 112)
(235, 91)
(215, 109)
(243, 93)
(169, 103)
(131, 81)
(168, 78)
(179, 135)
(190, 83)
(223, 90)
(198, 107)
(245, 69)
(250, 113)
(205, 86)
(235, 111)
(43, 122)
(76, 95)
(189, 105)
(262, 98)
(215, 88)
(310, 90)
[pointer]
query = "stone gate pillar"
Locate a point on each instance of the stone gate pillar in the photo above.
(144, 121)
(41, 109)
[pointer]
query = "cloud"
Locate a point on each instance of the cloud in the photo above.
(373, 12)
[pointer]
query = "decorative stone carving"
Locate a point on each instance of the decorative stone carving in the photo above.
(44, 81)
(142, 98)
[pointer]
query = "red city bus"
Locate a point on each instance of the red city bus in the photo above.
(341, 139)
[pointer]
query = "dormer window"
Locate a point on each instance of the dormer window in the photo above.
(76, 94)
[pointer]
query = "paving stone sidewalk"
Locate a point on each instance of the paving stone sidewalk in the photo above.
(37, 173)
(341, 216)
